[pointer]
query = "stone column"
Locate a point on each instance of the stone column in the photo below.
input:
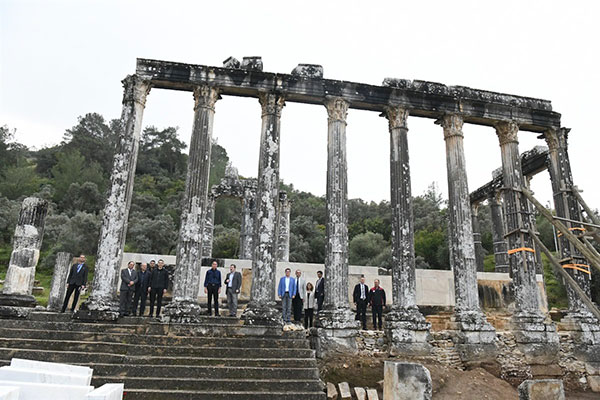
(405, 326)
(264, 259)
(579, 318)
(186, 283)
(477, 237)
(470, 321)
(528, 320)
(337, 328)
(539, 268)
(209, 227)
(102, 302)
(58, 287)
(27, 242)
(247, 225)
(283, 244)
(500, 246)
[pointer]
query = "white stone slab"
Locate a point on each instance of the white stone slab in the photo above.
(48, 391)
(9, 373)
(9, 393)
(108, 391)
(54, 367)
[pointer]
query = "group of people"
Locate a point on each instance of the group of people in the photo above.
(137, 285)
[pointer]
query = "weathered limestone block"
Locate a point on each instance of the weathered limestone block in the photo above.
(360, 393)
(102, 302)
(332, 393)
(406, 381)
(58, 287)
(345, 392)
(231, 62)
(108, 391)
(313, 71)
(542, 389)
(27, 243)
(252, 63)
(372, 394)
(594, 383)
(9, 393)
(264, 260)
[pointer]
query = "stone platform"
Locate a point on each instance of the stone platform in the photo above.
(218, 358)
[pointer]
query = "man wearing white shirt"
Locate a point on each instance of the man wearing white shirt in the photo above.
(233, 283)
(361, 298)
(286, 291)
(298, 300)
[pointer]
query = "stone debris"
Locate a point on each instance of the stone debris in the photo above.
(372, 394)
(345, 392)
(406, 381)
(542, 389)
(360, 393)
(332, 393)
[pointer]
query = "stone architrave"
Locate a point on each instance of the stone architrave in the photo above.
(264, 260)
(500, 246)
(471, 322)
(477, 237)
(186, 283)
(579, 318)
(405, 326)
(209, 227)
(27, 242)
(58, 287)
(336, 327)
(283, 241)
(406, 381)
(102, 301)
(528, 320)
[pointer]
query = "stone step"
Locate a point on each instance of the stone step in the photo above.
(136, 339)
(213, 384)
(88, 358)
(145, 394)
(156, 350)
(65, 317)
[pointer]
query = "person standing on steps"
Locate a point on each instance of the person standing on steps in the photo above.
(233, 283)
(320, 290)
(159, 283)
(212, 286)
(309, 306)
(129, 278)
(141, 289)
(286, 291)
(377, 301)
(76, 281)
(361, 298)
(298, 300)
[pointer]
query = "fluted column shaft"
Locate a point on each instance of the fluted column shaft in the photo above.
(477, 237)
(247, 224)
(283, 242)
(209, 227)
(186, 283)
(500, 247)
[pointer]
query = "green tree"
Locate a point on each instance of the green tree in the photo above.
(72, 167)
(432, 247)
(161, 153)
(365, 248)
(19, 181)
(226, 242)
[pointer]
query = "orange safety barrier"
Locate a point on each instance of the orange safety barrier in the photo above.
(521, 249)
(578, 267)
(572, 229)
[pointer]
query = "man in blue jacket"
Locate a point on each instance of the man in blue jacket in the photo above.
(286, 292)
(212, 287)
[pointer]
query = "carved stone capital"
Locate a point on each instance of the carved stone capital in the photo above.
(205, 96)
(452, 124)
(271, 103)
(551, 138)
(135, 89)
(508, 132)
(397, 117)
(337, 108)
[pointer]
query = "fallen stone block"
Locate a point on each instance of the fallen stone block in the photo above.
(360, 393)
(54, 367)
(10, 373)
(108, 391)
(48, 391)
(594, 382)
(541, 389)
(9, 393)
(345, 393)
(331, 391)
(406, 381)
(372, 394)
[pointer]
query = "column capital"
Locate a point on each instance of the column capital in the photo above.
(337, 108)
(556, 138)
(271, 103)
(507, 131)
(397, 116)
(205, 97)
(452, 124)
(135, 89)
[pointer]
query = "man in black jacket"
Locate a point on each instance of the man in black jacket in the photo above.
(377, 301)
(76, 281)
(129, 277)
(361, 298)
(320, 290)
(141, 289)
(159, 283)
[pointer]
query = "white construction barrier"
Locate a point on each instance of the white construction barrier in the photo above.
(108, 391)
(54, 367)
(9, 393)
(48, 391)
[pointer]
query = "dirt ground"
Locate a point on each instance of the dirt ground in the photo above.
(448, 383)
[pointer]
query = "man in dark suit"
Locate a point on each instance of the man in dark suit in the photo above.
(320, 290)
(361, 298)
(377, 301)
(212, 286)
(233, 284)
(159, 283)
(141, 289)
(76, 281)
(129, 278)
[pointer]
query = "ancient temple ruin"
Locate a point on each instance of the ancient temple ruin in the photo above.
(397, 100)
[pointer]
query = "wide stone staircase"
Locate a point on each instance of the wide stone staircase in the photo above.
(218, 358)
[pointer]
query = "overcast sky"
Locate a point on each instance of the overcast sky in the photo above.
(62, 59)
